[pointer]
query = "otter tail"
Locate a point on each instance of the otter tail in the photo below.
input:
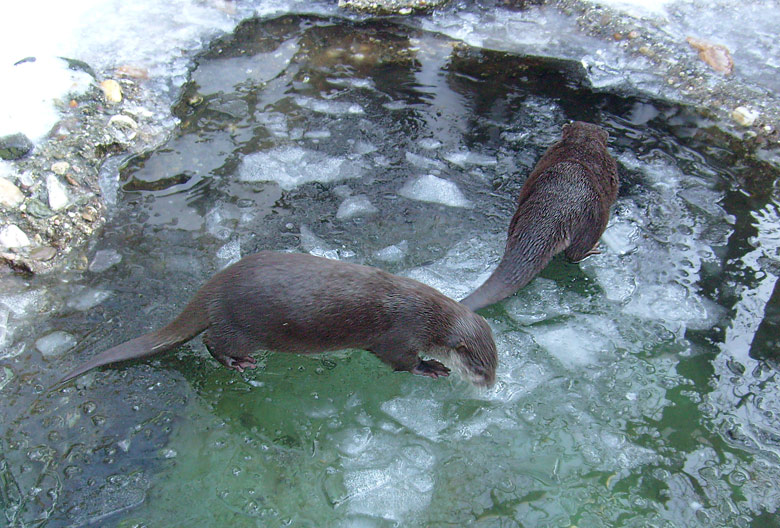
(531, 245)
(192, 321)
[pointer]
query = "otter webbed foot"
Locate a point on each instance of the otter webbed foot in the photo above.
(238, 363)
(431, 368)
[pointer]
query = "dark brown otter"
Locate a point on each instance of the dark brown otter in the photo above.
(288, 302)
(563, 206)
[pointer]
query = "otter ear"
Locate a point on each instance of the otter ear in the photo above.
(462, 348)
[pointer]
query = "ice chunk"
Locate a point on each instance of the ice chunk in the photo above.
(315, 245)
(670, 303)
(335, 108)
(230, 253)
(429, 143)
(104, 259)
(539, 301)
(394, 253)
(322, 133)
(33, 87)
(429, 188)
(422, 416)
(579, 342)
(23, 303)
(423, 162)
(293, 166)
(353, 206)
(620, 237)
(88, 298)
(55, 344)
(465, 157)
(396, 490)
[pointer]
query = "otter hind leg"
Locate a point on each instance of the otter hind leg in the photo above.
(230, 350)
(576, 254)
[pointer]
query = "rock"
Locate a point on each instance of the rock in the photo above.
(716, 56)
(38, 209)
(60, 168)
(125, 128)
(399, 7)
(112, 91)
(10, 195)
(13, 237)
(14, 146)
(744, 116)
(43, 253)
(58, 194)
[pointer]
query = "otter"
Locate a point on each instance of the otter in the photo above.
(292, 302)
(563, 206)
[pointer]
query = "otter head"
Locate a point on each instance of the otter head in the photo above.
(585, 131)
(472, 349)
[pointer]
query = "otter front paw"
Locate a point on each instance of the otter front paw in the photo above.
(431, 368)
(239, 363)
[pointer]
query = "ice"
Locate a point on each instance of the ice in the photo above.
(225, 75)
(24, 303)
(291, 167)
(229, 253)
(317, 246)
(462, 158)
(335, 108)
(104, 259)
(29, 91)
(541, 300)
(580, 342)
(400, 487)
(364, 84)
(423, 162)
(672, 304)
(55, 344)
(620, 237)
(429, 143)
(423, 417)
(317, 134)
(88, 298)
(394, 253)
(617, 282)
(359, 205)
(429, 188)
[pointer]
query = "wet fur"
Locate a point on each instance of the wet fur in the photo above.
(287, 302)
(563, 206)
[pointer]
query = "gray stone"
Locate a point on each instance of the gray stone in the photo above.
(14, 146)
(10, 195)
(58, 194)
(13, 237)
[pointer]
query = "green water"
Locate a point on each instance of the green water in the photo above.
(637, 388)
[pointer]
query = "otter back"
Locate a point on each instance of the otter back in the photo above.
(563, 206)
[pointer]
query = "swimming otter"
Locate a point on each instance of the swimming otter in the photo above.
(563, 206)
(288, 302)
